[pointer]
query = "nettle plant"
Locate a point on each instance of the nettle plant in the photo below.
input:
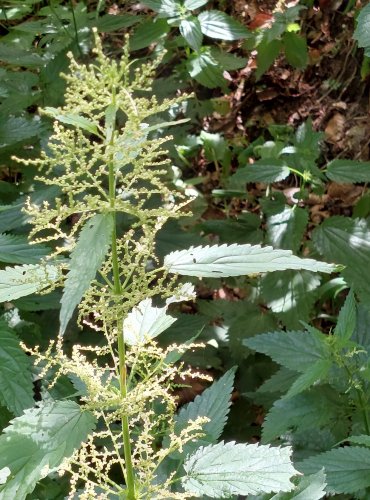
(119, 435)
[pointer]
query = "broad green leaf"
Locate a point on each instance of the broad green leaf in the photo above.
(19, 281)
(16, 129)
(348, 171)
(74, 120)
(310, 487)
(86, 259)
(317, 372)
(227, 469)
(295, 48)
(217, 24)
(347, 469)
(244, 229)
(167, 8)
(109, 22)
(362, 439)
(227, 60)
(362, 31)
(16, 250)
(291, 295)
(297, 351)
(266, 170)
(267, 52)
(346, 323)
(148, 32)
(347, 241)
(190, 30)
(17, 56)
(286, 229)
(280, 381)
(16, 388)
(219, 261)
(320, 407)
(206, 70)
(194, 4)
(213, 403)
(44, 436)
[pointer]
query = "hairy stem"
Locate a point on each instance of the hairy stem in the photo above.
(130, 477)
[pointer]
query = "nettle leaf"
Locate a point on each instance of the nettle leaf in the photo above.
(291, 295)
(362, 439)
(19, 281)
(295, 47)
(194, 4)
(220, 261)
(206, 70)
(16, 250)
(297, 351)
(148, 32)
(346, 323)
(347, 469)
(110, 22)
(45, 436)
(265, 170)
(217, 24)
(317, 408)
(286, 229)
(227, 469)
(267, 52)
(362, 31)
(74, 120)
(310, 487)
(317, 372)
(190, 30)
(15, 129)
(94, 242)
(16, 388)
(167, 8)
(213, 403)
(348, 171)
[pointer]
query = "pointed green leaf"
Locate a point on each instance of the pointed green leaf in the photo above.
(86, 259)
(227, 469)
(219, 261)
(15, 129)
(194, 4)
(310, 487)
(190, 30)
(16, 388)
(74, 120)
(347, 469)
(267, 52)
(347, 319)
(19, 281)
(295, 350)
(167, 8)
(16, 250)
(213, 403)
(295, 47)
(317, 372)
(206, 70)
(362, 31)
(217, 24)
(111, 22)
(362, 439)
(286, 228)
(45, 436)
(348, 171)
(148, 32)
(265, 170)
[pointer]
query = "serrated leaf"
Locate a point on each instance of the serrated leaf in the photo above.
(317, 372)
(346, 319)
(45, 436)
(265, 170)
(19, 281)
(167, 8)
(295, 50)
(206, 70)
(317, 408)
(145, 321)
(348, 171)
(194, 4)
(217, 24)
(280, 381)
(16, 388)
(94, 242)
(362, 31)
(291, 295)
(347, 469)
(15, 129)
(148, 32)
(286, 229)
(267, 52)
(15, 249)
(310, 487)
(74, 120)
(190, 30)
(213, 403)
(109, 22)
(362, 439)
(227, 469)
(296, 351)
(219, 261)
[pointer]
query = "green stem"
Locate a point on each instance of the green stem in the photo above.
(130, 477)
